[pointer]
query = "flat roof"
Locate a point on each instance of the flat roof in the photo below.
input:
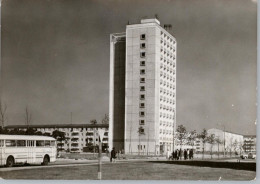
(61, 126)
(25, 137)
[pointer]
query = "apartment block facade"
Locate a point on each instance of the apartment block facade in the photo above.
(79, 135)
(249, 143)
(143, 90)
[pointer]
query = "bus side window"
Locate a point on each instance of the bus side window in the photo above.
(1, 143)
(39, 143)
(47, 143)
(10, 143)
(20, 143)
(52, 143)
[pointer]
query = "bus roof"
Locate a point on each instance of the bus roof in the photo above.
(25, 137)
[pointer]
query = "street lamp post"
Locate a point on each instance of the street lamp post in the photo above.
(99, 159)
(101, 135)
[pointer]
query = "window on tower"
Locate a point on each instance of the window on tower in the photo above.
(142, 97)
(141, 122)
(142, 88)
(142, 63)
(142, 46)
(142, 113)
(141, 130)
(142, 37)
(142, 105)
(142, 71)
(142, 80)
(142, 54)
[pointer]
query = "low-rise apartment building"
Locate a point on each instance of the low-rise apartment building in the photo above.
(79, 136)
(249, 143)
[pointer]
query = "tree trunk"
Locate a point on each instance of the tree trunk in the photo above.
(211, 152)
(203, 151)
(218, 151)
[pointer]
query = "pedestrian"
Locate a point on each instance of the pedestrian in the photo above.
(173, 155)
(180, 154)
(177, 154)
(113, 155)
(188, 153)
(191, 154)
(185, 154)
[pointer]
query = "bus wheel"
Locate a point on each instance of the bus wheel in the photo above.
(10, 161)
(45, 160)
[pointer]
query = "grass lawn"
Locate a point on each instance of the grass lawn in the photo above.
(131, 171)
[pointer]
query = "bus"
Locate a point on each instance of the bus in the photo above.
(27, 149)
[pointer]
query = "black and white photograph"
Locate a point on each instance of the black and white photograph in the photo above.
(128, 90)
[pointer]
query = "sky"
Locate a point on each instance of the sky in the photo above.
(55, 59)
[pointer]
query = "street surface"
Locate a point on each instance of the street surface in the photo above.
(141, 169)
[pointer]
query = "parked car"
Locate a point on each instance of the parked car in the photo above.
(248, 155)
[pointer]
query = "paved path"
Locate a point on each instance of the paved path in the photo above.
(70, 163)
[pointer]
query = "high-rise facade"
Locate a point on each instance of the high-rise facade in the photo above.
(143, 89)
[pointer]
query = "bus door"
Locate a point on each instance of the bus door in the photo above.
(30, 148)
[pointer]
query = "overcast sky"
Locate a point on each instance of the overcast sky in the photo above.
(55, 58)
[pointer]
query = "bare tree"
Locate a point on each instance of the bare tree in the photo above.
(3, 116)
(27, 117)
(192, 137)
(203, 136)
(140, 132)
(93, 121)
(218, 141)
(235, 145)
(240, 147)
(231, 146)
(105, 120)
(181, 134)
(211, 140)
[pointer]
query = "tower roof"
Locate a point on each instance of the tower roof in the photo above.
(145, 21)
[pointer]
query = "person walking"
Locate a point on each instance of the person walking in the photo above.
(177, 154)
(191, 154)
(180, 154)
(113, 155)
(173, 155)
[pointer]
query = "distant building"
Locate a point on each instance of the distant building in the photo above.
(142, 104)
(198, 145)
(80, 135)
(229, 142)
(232, 142)
(249, 143)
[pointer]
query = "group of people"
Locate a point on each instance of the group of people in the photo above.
(115, 154)
(187, 154)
